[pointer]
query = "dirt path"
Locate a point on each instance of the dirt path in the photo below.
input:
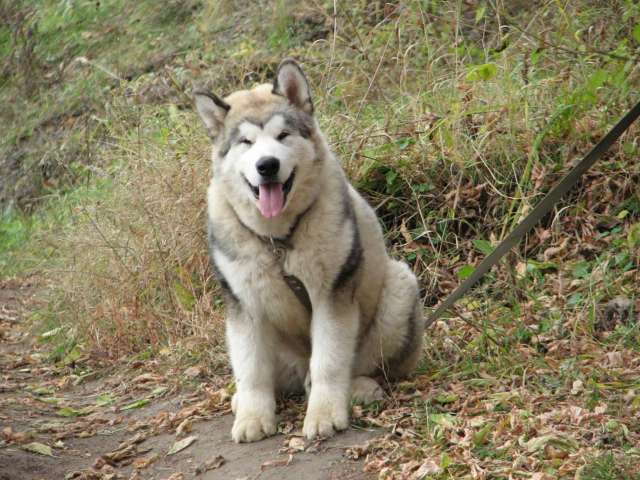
(68, 422)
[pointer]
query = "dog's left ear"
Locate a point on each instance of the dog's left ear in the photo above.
(212, 111)
(291, 83)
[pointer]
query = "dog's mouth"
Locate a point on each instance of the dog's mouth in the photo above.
(272, 196)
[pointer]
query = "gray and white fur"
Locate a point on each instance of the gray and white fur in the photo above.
(312, 296)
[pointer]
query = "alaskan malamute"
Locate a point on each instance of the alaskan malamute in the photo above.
(313, 300)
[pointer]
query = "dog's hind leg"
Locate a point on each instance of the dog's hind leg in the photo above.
(292, 370)
(394, 342)
(365, 390)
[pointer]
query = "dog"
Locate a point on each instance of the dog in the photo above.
(313, 300)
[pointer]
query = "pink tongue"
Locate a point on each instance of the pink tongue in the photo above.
(270, 199)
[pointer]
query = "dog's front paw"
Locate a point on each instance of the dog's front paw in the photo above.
(255, 417)
(251, 427)
(325, 414)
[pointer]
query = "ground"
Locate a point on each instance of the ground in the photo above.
(84, 430)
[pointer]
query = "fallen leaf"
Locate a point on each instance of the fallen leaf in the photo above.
(137, 404)
(614, 359)
(147, 377)
(600, 409)
(182, 444)
(480, 437)
(50, 400)
(51, 332)
(176, 476)
(444, 398)
(144, 462)
(577, 387)
(51, 427)
(104, 400)
(409, 467)
(212, 464)
(297, 444)
(72, 412)
(279, 462)
(193, 372)
(137, 438)
(357, 451)
(541, 476)
(551, 452)
(445, 420)
(429, 467)
(120, 454)
(14, 437)
(43, 390)
(159, 391)
(39, 448)
(538, 443)
(184, 427)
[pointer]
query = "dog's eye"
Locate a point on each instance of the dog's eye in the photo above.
(282, 136)
(246, 141)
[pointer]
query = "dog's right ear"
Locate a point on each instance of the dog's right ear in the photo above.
(291, 83)
(212, 111)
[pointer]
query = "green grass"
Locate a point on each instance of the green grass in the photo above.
(64, 62)
(14, 233)
(608, 467)
(26, 240)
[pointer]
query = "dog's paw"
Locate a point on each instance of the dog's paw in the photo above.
(325, 415)
(365, 390)
(251, 427)
(255, 417)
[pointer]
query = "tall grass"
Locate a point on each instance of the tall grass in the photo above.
(133, 269)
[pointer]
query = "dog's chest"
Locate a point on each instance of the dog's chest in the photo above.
(267, 286)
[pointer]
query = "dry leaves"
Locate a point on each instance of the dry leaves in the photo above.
(39, 448)
(176, 476)
(212, 464)
(182, 444)
(279, 462)
(144, 462)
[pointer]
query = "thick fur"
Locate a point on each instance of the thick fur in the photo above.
(364, 317)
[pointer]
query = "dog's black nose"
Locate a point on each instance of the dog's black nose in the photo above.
(268, 166)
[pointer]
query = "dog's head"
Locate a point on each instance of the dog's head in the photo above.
(263, 138)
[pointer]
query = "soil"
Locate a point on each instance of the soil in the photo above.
(91, 433)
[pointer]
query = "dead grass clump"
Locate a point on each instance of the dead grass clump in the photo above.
(136, 274)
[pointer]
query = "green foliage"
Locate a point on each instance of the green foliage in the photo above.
(608, 467)
(14, 232)
(482, 72)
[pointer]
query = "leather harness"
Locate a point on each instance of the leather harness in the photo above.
(279, 247)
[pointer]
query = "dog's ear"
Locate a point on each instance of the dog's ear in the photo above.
(212, 111)
(291, 83)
